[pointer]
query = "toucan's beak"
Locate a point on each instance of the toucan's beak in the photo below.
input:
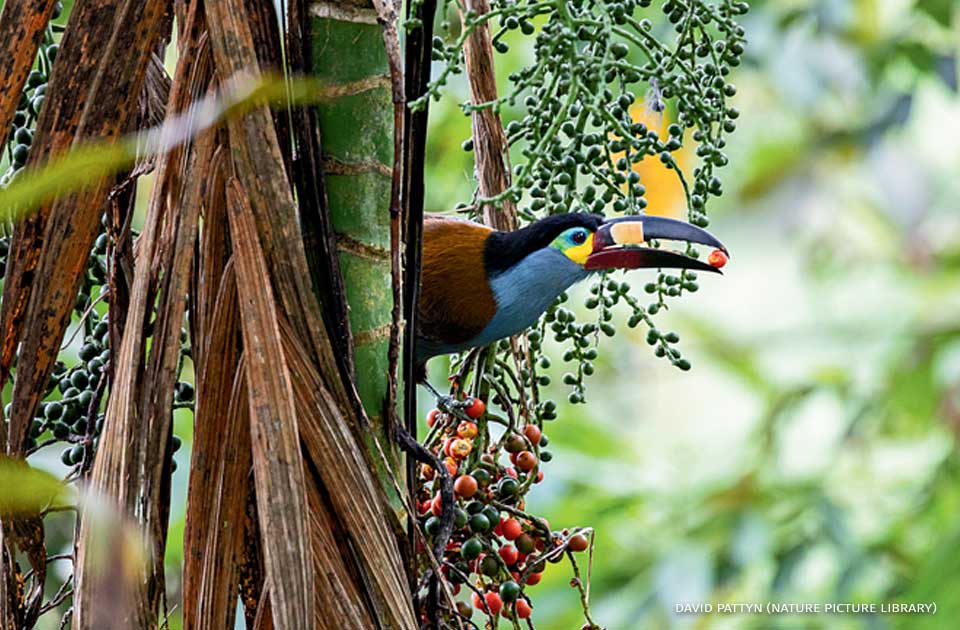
(617, 244)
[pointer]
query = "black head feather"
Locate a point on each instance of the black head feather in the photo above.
(505, 249)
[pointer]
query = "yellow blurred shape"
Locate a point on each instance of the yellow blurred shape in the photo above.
(664, 195)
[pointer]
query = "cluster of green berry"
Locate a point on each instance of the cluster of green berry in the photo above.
(71, 411)
(578, 128)
(31, 100)
(583, 337)
(580, 117)
(497, 549)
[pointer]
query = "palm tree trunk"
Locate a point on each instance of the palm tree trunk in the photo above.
(357, 130)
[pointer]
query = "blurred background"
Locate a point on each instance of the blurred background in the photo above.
(810, 455)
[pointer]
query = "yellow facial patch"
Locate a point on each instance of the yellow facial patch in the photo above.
(579, 253)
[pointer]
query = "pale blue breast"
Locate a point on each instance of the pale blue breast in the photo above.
(524, 292)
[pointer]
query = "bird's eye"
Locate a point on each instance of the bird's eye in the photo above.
(579, 237)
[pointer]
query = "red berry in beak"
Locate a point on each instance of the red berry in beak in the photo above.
(717, 259)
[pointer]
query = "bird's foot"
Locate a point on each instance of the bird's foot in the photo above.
(417, 451)
(414, 448)
(450, 404)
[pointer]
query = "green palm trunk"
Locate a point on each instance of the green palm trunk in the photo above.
(356, 131)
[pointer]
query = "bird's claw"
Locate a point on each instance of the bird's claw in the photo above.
(454, 407)
(450, 404)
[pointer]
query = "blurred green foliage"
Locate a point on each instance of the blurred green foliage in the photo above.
(810, 456)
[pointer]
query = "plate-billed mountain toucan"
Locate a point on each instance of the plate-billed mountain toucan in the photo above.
(479, 285)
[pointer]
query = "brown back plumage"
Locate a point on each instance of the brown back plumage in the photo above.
(455, 297)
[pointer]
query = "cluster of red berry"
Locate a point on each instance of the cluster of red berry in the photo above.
(497, 549)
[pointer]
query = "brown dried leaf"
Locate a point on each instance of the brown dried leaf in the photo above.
(80, 54)
(220, 385)
(160, 373)
(252, 579)
(10, 600)
(490, 143)
(217, 503)
(212, 256)
(339, 592)
(259, 166)
(352, 491)
(132, 461)
(277, 463)
(22, 23)
(75, 218)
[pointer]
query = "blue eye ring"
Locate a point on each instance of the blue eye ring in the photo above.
(579, 236)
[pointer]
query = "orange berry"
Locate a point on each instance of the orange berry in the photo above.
(509, 554)
(432, 417)
(494, 603)
(451, 465)
(467, 430)
(526, 461)
(460, 448)
(436, 506)
(427, 472)
(533, 433)
(465, 486)
(534, 579)
(476, 408)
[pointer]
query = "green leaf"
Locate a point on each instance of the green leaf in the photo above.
(88, 163)
(27, 489)
(919, 55)
(939, 10)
